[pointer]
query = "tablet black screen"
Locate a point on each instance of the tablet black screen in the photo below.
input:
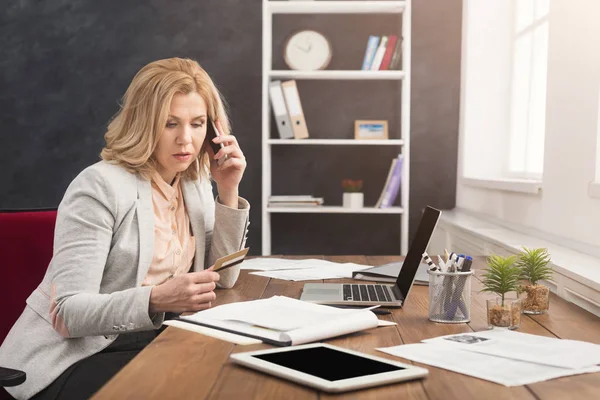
(328, 364)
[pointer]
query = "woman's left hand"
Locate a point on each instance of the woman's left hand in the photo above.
(229, 174)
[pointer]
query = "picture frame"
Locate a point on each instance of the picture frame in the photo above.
(369, 129)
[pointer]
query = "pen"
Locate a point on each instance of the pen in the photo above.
(467, 263)
(432, 266)
(451, 266)
(460, 261)
(441, 263)
(463, 263)
(381, 312)
(374, 311)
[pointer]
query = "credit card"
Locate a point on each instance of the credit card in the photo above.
(230, 260)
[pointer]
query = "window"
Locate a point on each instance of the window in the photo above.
(525, 158)
(594, 187)
(597, 179)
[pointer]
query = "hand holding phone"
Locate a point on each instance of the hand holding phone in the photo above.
(211, 133)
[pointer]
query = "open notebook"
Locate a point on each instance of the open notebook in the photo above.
(284, 321)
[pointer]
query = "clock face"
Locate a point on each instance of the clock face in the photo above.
(307, 50)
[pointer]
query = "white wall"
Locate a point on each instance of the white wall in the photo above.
(564, 207)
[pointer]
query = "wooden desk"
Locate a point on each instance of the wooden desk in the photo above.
(181, 364)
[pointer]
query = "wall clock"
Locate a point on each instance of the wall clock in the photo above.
(307, 50)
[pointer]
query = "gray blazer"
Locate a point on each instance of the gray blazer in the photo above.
(103, 247)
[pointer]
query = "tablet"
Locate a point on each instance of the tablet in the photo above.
(328, 368)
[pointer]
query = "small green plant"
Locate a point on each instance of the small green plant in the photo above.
(501, 276)
(352, 186)
(533, 264)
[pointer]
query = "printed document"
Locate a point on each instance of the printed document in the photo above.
(501, 370)
(525, 347)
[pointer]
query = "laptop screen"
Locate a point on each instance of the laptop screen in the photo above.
(415, 251)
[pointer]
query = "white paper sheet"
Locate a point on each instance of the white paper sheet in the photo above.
(525, 347)
(282, 318)
(301, 270)
(277, 313)
(500, 370)
(336, 326)
(275, 264)
(333, 271)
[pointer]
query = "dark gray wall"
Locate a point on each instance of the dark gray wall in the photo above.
(65, 64)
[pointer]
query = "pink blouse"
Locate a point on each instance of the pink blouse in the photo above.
(174, 243)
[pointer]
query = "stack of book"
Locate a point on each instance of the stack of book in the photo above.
(382, 53)
(287, 110)
(392, 184)
(295, 201)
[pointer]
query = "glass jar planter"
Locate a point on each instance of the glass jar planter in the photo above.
(537, 299)
(507, 315)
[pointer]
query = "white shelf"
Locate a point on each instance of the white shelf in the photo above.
(384, 142)
(270, 11)
(340, 74)
(336, 7)
(335, 210)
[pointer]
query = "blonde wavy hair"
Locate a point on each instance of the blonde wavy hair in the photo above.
(133, 133)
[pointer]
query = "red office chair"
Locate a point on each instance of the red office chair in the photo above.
(26, 243)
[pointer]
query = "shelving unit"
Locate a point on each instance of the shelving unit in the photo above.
(357, 75)
(336, 210)
(336, 7)
(349, 142)
(271, 8)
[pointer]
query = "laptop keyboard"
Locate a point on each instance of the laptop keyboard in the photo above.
(366, 293)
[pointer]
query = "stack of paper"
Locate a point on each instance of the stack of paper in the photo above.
(295, 201)
(284, 321)
(301, 270)
(505, 357)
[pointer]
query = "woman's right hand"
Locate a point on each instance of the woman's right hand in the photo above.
(193, 292)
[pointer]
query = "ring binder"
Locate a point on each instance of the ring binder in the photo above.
(284, 125)
(294, 107)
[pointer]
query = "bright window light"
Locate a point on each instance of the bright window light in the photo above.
(528, 90)
(598, 142)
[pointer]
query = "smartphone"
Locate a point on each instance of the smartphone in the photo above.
(11, 377)
(211, 133)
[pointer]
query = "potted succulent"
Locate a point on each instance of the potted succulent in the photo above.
(501, 277)
(353, 197)
(534, 268)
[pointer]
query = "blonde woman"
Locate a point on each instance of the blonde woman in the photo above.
(135, 236)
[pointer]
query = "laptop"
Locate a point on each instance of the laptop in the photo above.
(375, 294)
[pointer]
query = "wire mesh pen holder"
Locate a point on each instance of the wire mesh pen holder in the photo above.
(450, 296)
